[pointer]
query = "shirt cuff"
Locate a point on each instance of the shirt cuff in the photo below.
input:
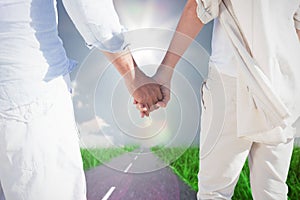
(116, 43)
(207, 10)
(98, 23)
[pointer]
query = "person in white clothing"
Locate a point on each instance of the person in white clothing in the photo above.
(251, 96)
(39, 149)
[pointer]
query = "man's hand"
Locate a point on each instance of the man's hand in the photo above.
(162, 77)
(145, 91)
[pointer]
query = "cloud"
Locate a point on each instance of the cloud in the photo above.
(92, 126)
(91, 136)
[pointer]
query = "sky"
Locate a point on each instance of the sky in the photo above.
(103, 108)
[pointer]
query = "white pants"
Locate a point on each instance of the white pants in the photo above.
(39, 149)
(223, 154)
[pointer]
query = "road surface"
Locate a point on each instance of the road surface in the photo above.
(136, 176)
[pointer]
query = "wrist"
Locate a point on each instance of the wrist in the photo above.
(164, 74)
(132, 74)
(135, 79)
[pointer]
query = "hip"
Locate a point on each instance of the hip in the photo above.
(32, 99)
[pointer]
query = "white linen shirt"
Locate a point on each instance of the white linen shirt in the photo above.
(32, 53)
(269, 69)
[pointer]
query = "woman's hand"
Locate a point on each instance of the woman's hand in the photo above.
(145, 91)
(163, 78)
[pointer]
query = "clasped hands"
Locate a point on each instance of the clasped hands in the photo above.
(149, 93)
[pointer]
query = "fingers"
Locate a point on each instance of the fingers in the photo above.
(147, 113)
(161, 104)
(144, 111)
(166, 97)
(141, 107)
(143, 114)
(146, 98)
(158, 94)
(154, 100)
(153, 107)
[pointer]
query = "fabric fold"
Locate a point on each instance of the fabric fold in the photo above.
(258, 103)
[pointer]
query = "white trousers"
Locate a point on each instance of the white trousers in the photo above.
(39, 149)
(223, 154)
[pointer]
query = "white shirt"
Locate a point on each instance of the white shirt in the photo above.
(221, 50)
(244, 10)
(32, 53)
(268, 70)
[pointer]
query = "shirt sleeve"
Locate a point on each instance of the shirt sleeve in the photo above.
(98, 23)
(207, 10)
(297, 19)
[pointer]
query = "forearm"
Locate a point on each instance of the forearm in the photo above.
(123, 62)
(298, 33)
(187, 29)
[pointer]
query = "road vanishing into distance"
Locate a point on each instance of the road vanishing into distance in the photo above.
(138, 175)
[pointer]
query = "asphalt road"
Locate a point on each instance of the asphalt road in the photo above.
(136, 176)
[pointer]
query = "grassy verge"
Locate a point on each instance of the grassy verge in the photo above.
(95, 157)
(187, 165)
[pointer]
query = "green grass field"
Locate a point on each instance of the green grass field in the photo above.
(187, 165)
(95, 157)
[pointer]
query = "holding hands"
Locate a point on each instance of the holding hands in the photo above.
(145, 91)
(151, 93)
